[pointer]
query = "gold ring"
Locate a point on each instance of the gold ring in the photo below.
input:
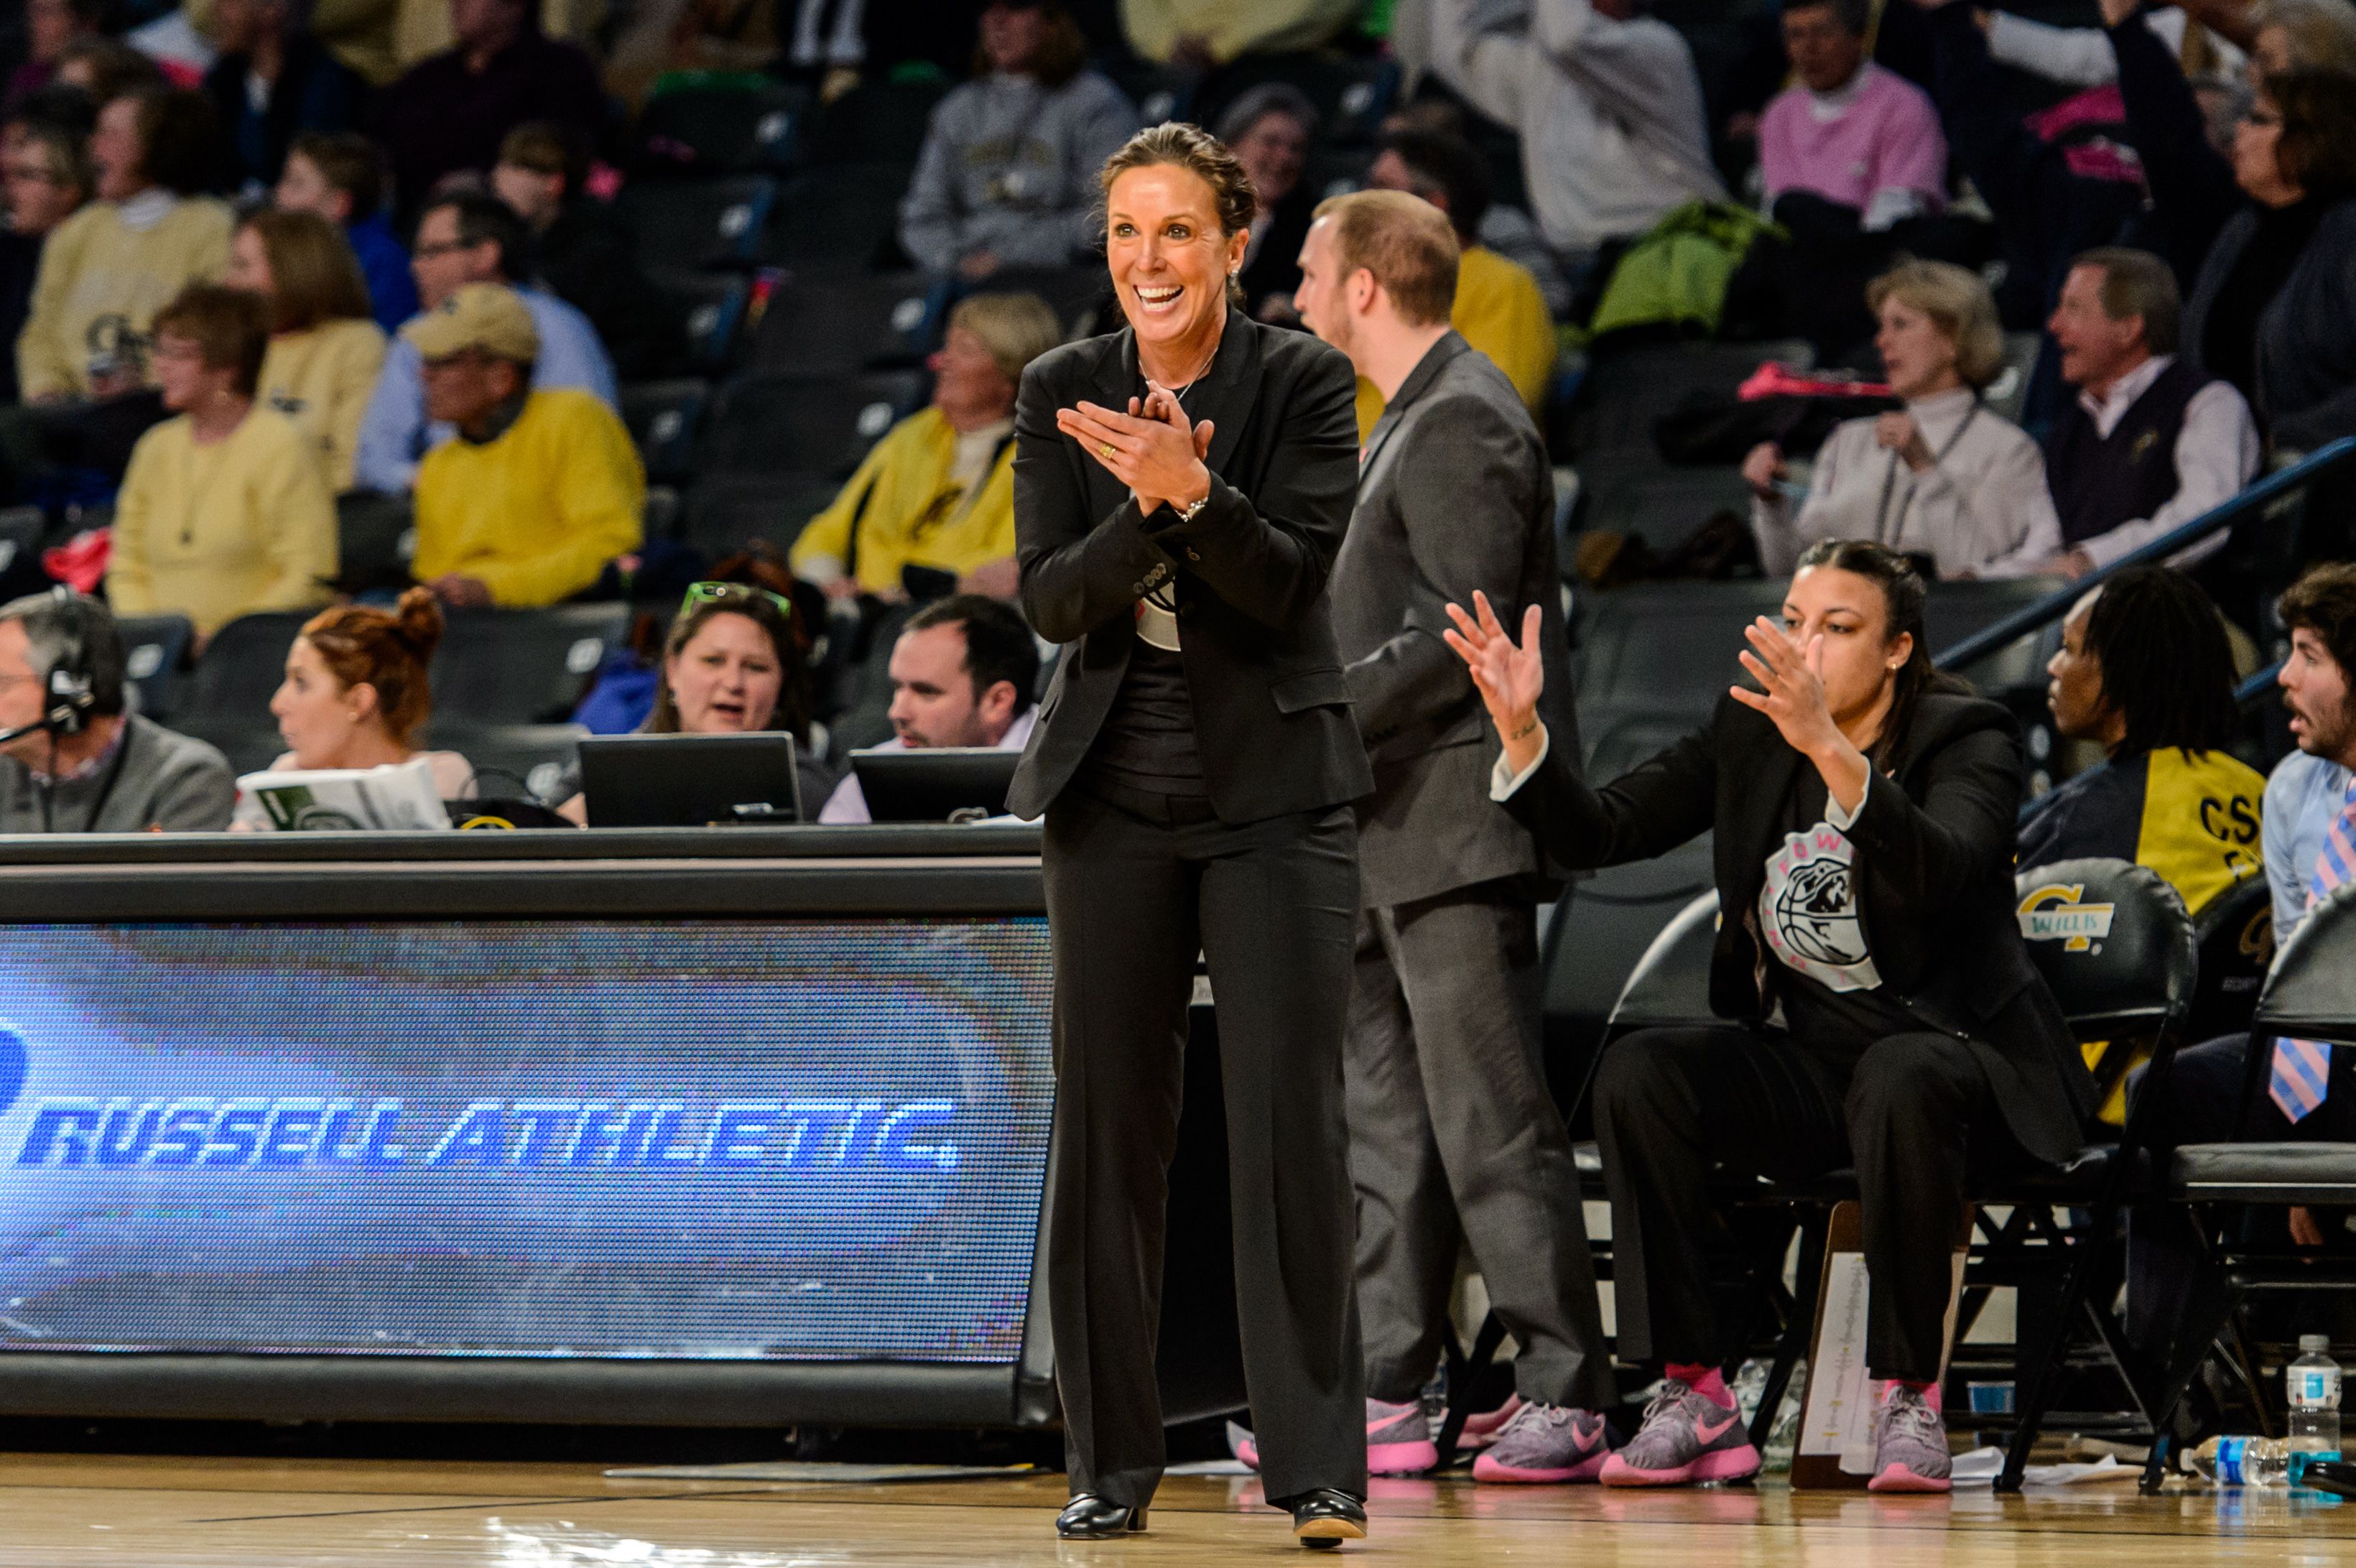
(1105, 451)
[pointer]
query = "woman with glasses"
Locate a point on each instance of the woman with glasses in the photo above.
(43, 179)
(2270, 306)
(731, 665)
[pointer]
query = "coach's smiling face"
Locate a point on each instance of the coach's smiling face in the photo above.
(1169, 257)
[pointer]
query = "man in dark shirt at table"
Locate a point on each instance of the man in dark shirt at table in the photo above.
(452, 110)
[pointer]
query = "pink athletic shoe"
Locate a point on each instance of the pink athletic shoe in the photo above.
(1398, 1441)
(1480, 1431)
(1545, 1445)
(1687, 1437)
(1910, 1443)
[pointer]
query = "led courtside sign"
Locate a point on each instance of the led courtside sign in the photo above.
(818, 1139)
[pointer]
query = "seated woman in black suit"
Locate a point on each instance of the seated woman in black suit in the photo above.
(1883, 1012)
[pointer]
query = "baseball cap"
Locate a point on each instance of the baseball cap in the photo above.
(486, 316)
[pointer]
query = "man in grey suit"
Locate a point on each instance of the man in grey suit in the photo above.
(1453, 1136)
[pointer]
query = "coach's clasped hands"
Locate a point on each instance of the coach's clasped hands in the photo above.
(1153, 448)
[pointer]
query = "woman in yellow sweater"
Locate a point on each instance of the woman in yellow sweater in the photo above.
(106, 270)
(224, 511)
(324, 353)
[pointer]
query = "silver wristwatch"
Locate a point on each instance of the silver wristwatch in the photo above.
(1187, 513)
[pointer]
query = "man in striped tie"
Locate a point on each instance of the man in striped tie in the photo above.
(2310, 834)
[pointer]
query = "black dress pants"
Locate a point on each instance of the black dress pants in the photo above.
(1136, 884)
(2204, 1104)
(1675, 1106)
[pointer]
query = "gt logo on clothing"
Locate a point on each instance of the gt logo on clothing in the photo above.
(2053, 913)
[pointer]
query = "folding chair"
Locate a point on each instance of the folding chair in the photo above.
(2311, 995)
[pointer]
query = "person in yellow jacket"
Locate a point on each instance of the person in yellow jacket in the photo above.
(1500, 309)
(107, 269)
(939, 491)
(223, 511)
(2146, 672)
(324, 353)
(541, 490)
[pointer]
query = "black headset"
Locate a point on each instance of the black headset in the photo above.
(71, 693)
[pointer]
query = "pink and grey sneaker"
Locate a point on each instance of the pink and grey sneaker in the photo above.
(1686, 1436)
(1545, 1445)
(1909, 1443)
(1398, 1441)
(1480, 1431)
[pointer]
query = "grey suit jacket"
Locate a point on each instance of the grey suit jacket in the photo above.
(1454, 494)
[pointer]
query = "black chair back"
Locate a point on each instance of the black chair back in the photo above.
(499, 668)
(818, 426)
(154, 650)
(2114, 942)
(2236, 933)
(1670, 987)
(721, 130)
(693, 224)
(2311, 994)
(665, 418)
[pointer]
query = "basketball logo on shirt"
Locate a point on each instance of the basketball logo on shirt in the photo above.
(1809, 903)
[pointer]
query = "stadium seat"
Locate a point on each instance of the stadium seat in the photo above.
(2015, 672)
(721, 130)
(695, 225)
(512, 761)
(712, 308)
(840, 217)
(818, 426)
(1159, 91)
(664, 419)
(154, 650)
(522, 667)
(877, 121)
(1081, 297)
(1627, 390)
(1634, 493)
(375, 538)
(21, 530)
(725, 512)
(1663, 649)
(241, 669)
(1352, 94)
(843, 324)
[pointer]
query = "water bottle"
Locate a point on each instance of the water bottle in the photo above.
(2313, 1384)
(2240, 1461)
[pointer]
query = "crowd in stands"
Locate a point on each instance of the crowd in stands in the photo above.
(265, 265)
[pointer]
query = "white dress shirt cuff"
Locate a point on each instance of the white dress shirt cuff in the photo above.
(1503, 784)
(1844, 819)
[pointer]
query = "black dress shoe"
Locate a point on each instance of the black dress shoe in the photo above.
(1324, 1519)
(1091, 1518)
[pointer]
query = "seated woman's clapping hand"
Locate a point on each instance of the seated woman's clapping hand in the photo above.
(1510, 679)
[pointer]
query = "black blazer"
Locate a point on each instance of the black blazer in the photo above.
(1271, 709)
(1935, 856)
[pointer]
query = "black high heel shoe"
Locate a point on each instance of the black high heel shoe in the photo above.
(1090, 1518)
(1323, 1520)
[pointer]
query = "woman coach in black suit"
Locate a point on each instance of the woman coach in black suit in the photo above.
(1180, 490)
(1885, 1010)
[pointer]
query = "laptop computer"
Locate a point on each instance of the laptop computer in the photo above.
(935, 783)
(690, 780)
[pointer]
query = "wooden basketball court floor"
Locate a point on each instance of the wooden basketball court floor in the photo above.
(265, 1513)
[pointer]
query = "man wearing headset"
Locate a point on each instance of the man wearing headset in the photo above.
(71, 760)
